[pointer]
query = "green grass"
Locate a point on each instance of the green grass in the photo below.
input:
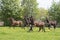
(18, 33)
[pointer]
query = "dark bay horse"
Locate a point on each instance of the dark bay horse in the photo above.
(26, 21)
(40, 24)
(51, 23)
(14, 22)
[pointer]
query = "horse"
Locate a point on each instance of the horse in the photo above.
(26, 21)
(36, 23)
(51, 23)
(14, 22)
(40, 24)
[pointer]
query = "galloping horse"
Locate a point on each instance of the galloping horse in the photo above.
(40, 25)
(14, 22)
(51, 23)
(36, 23)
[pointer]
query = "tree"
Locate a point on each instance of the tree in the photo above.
(29, 7)
(54, 11)
(10, 8)
(42, 14)
(0, 9)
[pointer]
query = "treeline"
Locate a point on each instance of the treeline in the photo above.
(20, 8)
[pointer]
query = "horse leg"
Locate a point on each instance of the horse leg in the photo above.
(31, 28)
(23, 26)
(19, 24)
(13, 26)
(49, 26)
(54, 26)
(39, 28)
(10, 26)
(43, 28)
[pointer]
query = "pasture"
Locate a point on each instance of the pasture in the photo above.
(19, 33)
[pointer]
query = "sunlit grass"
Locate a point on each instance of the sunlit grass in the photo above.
(19, 33)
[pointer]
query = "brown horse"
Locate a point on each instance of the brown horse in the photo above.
(51, 23)
(14, 22)
(40, 25)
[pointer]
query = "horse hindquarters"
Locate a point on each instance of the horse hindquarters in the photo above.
(20, 23)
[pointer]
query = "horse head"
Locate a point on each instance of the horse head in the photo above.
(11, 19)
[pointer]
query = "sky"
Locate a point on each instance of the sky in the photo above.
(45, 3)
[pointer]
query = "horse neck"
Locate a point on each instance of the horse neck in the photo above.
(47, 21)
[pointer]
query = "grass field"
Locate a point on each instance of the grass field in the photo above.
(18, 33)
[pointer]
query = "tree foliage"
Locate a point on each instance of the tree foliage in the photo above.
(29, 7)
(10, 8)
(54, 11)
